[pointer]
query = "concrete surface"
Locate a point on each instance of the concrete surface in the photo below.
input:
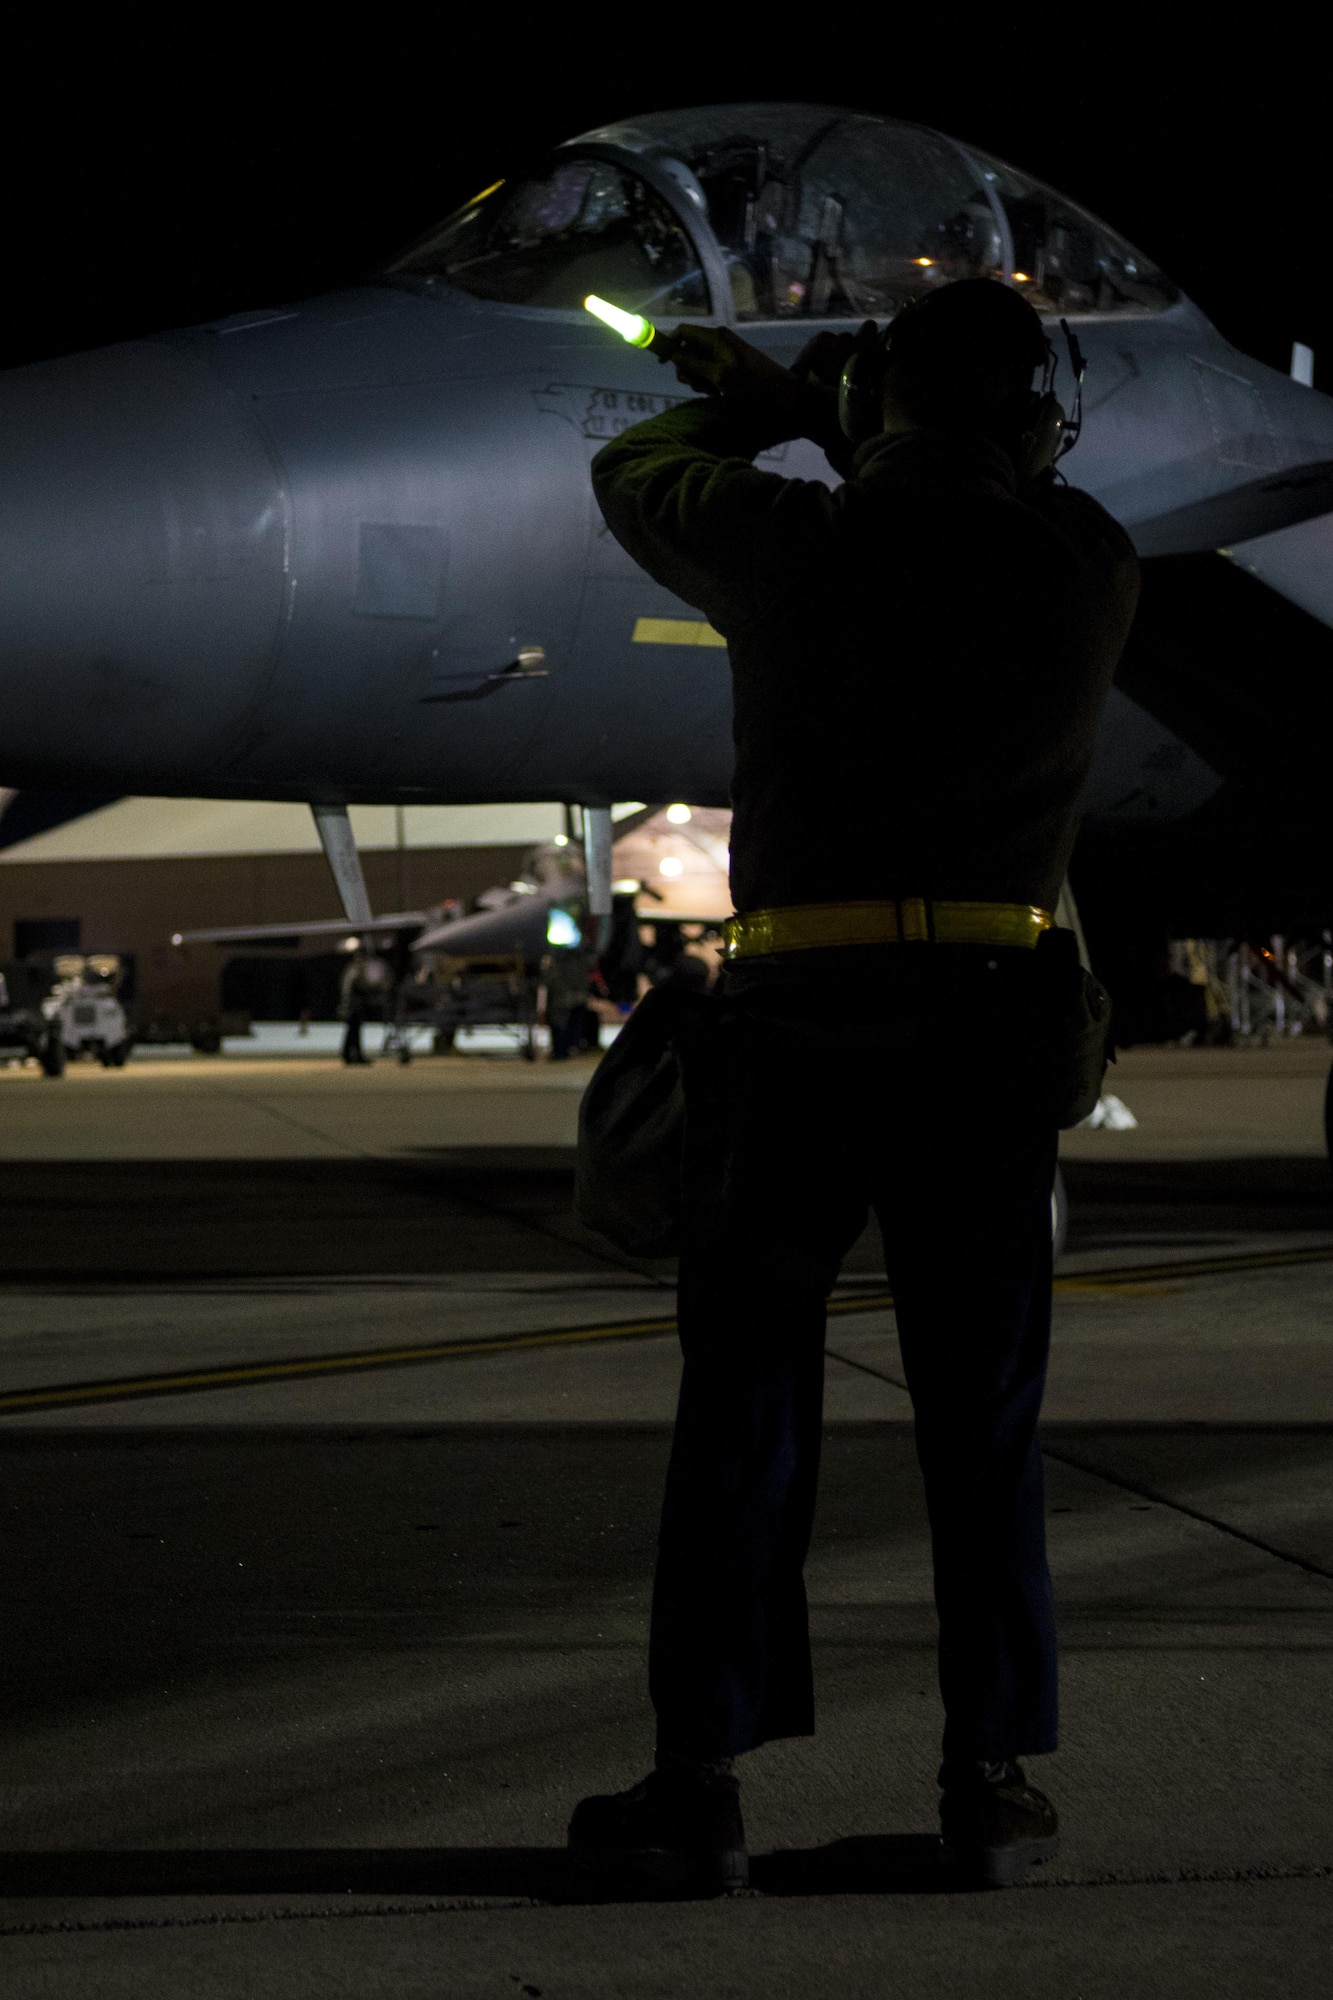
(1197, 1104)
(1191, 1104)
(303, 1675)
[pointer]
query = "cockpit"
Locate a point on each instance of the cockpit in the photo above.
(772, 212)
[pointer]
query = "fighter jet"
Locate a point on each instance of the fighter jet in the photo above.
(344, 549)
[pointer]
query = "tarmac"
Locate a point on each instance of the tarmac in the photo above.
(332, 1448)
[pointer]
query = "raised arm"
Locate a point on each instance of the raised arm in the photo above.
(680, 494)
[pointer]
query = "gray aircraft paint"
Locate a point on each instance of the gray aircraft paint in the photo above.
(1296, 562)
(1141, 771)
(279, 557)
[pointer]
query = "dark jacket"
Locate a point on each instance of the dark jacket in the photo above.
(919, 657)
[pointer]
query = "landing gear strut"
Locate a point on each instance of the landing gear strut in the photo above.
(1060, 1213)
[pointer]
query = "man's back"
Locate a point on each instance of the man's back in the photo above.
(920, 658)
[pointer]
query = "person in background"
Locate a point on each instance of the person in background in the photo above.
(367, 988)
(573, 1025)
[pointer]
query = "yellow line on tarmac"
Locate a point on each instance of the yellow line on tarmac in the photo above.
(1131, 1276)
(188, 1381)
(125, 1388)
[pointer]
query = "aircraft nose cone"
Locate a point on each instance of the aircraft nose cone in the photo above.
(142, 543)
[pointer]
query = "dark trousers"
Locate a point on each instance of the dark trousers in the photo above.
(573, 1029)
(922, 1111)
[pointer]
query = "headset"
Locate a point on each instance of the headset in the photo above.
(1045, 436)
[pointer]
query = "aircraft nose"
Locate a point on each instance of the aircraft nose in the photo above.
(142, 535)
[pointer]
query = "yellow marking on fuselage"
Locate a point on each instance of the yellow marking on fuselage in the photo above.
(676, 632)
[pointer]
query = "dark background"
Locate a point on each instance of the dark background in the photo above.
(165, 171)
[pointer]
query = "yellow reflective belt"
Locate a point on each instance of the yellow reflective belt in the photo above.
(908, 920)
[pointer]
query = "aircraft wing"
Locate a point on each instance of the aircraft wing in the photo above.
(1296, 562)
(1258, 509)
(401, 920)
(519, 927)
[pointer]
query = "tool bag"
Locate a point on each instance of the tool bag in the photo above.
(1076, 1046)
(627, 1185)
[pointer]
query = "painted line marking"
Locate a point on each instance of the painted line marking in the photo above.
(1133, 1278)
(127, 1388)
(1193, 1267)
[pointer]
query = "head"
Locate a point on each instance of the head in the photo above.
(963, 357)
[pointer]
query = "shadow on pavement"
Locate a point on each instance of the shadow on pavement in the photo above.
(152, 1221)
(870, 1865)
(446, 1209)
(539, 1872)
(1167, 1197)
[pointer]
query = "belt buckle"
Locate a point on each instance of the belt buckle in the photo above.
(914, 921)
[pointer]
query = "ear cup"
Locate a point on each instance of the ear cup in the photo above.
(859, 415)
(861, 387)
(1041, 437)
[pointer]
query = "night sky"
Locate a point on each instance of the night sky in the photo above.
(163, 173)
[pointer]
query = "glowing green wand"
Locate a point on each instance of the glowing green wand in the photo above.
(632, 327)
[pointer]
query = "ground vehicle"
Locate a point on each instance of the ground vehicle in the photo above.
(29, 1024)
(85, 1006)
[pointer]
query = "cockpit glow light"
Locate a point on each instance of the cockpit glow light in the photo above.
(561, 930)
(926, 263)
(1021, 278)
(630, 326)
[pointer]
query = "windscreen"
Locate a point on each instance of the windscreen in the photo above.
(821, 214)
(583, 226)
(826, 214)
(1065, 260)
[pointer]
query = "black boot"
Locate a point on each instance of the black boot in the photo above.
(678, 1832)
(995, 1824)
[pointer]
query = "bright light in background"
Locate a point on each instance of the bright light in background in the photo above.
(1021, 278)
(630, 326)
(679, 815)
(672, 866)
(561, 929)
(562, 840)
(629, 887)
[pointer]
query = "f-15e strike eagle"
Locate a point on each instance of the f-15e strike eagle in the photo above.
(344, 550)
